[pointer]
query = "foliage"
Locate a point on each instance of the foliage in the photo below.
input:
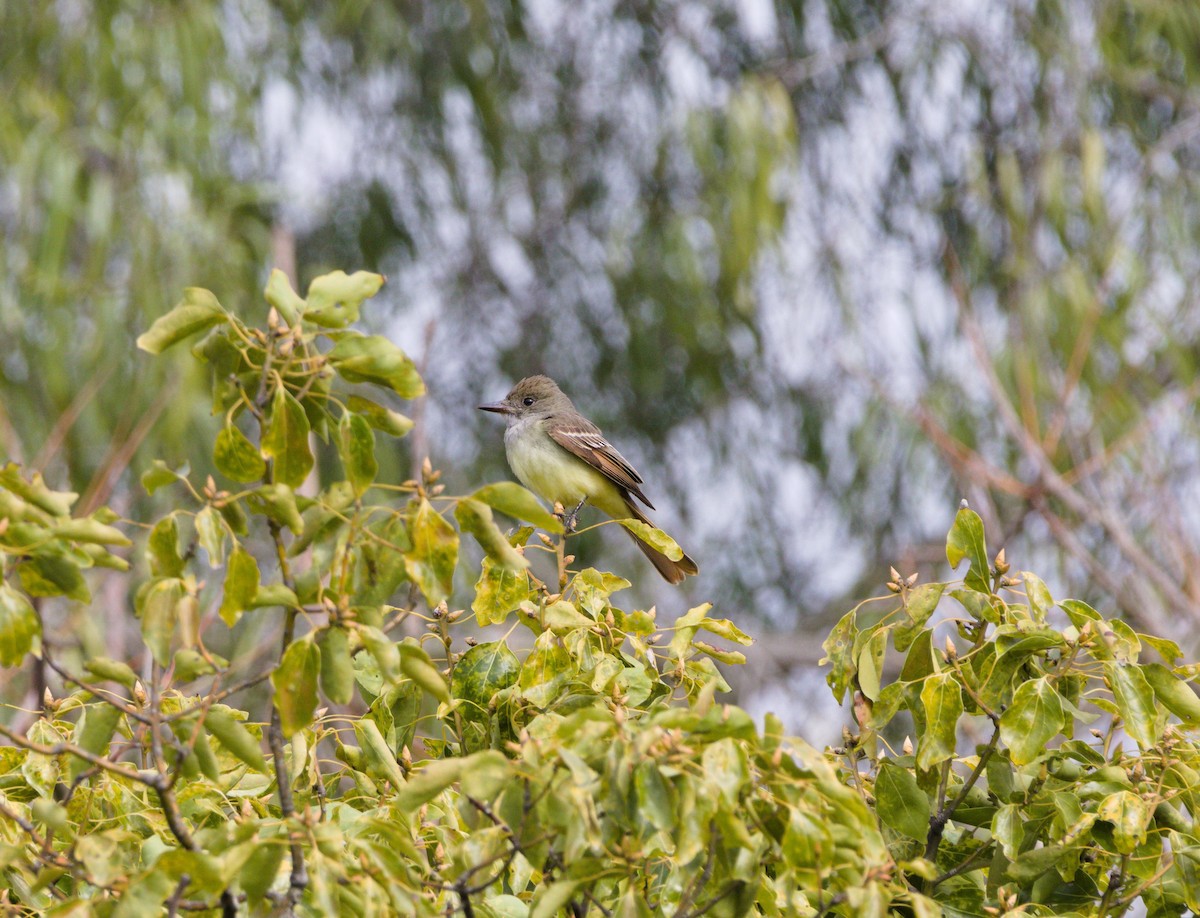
(576, 763)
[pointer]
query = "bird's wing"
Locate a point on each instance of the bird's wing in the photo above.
(589, 445)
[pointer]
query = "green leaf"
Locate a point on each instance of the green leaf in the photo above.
(513, 500)
(839, 651)
(1080, 613)
(379, 758)
(93, 733)
(210, 530)
(279, 293)
(191, 664)
(162, 549)
(241, 585)
(356, 444)
(274, 594)
(159, 475)
(379, 417)
(870, 663)
(334, 299)
(103, 668)
(234, 736)
(236, 457)
(653, 537)
(552, 899)
(1129, 816)
(35, 491)
(655, 799)
(544, 672)
(295, 684)
(1135, 701)
(197, 311)
(278, 503)
(385, 651)
(160, 613)
(485, 774)
(52, 574)
(262, 867)
(481, 673)
(497, 592)
(1008, 829)
(432, 778)
(965, 540)
(475, 517)
(416, 665)
(900, 802)
(941, 699)
(337, 668)
(20, 630)
(1038, 594)
(374, 359)
(286, 440)
(90, 530)
(1175, 694)
(918, 606)
(1034, 718)
(431, 560)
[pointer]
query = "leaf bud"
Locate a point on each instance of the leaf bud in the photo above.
(1002, 566)
(907, 748)
(139, 693)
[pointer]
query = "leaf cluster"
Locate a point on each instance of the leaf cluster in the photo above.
(540, 750)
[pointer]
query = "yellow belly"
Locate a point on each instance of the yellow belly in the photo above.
(556, 475)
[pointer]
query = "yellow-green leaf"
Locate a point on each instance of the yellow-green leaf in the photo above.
(356, 444)
(210, 530)
(374, 359)
(295, 684)
(20, 631)
(236, 457)
(334, 299)
(510, 498)
(160, 613)
(965, 540)
(475, 517)
(653, 537)
(197, 311)
(241, 585)
(234, 736)
(1135, 701)
(901, 803)
(279, 293)
(337, 668)
(1034, 718)
(941, 698)
(379, 417)
(286, 440)
(431, 560)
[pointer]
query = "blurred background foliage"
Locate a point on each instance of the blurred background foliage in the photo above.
(820, 268)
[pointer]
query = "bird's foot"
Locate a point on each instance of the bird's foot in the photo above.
(571, 519)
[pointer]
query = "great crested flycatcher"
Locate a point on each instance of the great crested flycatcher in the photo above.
(562, 456)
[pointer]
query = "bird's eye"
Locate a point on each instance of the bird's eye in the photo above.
(528, 400)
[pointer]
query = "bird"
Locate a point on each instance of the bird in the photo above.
(564, 458)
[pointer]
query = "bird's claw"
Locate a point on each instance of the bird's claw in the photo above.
(571, 519)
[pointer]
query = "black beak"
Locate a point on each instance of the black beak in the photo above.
(499, 408)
